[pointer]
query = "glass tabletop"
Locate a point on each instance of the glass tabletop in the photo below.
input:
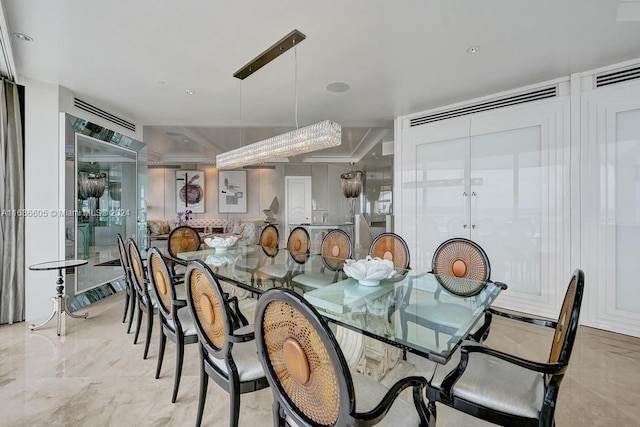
(54, 265)
(418, 311)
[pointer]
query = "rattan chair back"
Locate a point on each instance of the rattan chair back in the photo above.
(335, 249)
(302, 360)
(461, 266)
(461, 258)
(298, 245)
(183, 239)
(138, 273)
(209, 309)
(161, 284)
(567, 324)
(392, 247)
(269, 240)
(124, 260)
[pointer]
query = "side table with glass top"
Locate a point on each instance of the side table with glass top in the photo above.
(60, 300)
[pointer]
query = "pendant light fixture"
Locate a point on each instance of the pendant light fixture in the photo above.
(318, 136)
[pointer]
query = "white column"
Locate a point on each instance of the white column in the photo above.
(42, 192)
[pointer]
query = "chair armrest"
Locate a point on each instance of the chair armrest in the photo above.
(242, 320)
(376, 414)
(179, 303)
(465, 350)
(536, 321)
(242, 338)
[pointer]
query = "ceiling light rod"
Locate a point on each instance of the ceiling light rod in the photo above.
(281, 46)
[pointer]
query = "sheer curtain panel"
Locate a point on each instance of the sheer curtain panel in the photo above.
(11, 206)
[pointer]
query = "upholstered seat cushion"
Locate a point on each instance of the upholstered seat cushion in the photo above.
(186, 321)
(369, 394)
(496, 384)
(245, 356)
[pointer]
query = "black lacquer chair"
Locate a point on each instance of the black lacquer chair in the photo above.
(268, 242)
(310, 379)
(508, 390)
(177, 323)
(461, 267)
(392, 247)
(228, 353)
(298, 250)
(129, 300)
(143, 300)
(181, 239)
(335, 250)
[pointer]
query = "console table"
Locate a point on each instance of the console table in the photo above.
(60, 300)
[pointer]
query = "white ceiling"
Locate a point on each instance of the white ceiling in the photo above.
(399, 57)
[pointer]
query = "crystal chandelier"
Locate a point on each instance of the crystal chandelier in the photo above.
(304, 140)
(318, 136)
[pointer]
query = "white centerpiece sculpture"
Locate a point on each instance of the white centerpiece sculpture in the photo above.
(369, 271)
(221, 244)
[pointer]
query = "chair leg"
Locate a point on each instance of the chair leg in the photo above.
(234, 395)
(163, 343)
(202, 396)
(138, 323)
(147, 340)
(127, 297)
(431, 407)
(134, 304)
(179, 360)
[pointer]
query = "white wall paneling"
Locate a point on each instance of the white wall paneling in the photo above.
(500, 178)
(610, 209)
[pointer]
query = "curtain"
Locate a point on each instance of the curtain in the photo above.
(11, 205)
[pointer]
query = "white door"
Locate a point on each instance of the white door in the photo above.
(610, 211)
(297, 201)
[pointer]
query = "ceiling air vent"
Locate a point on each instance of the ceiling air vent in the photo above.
(78, 103)
(521, 98)
(618, 76)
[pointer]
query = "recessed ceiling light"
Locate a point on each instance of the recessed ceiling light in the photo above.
(23, 37)
(185, 140)
(338, 87)
(189, 92)
(473, 49)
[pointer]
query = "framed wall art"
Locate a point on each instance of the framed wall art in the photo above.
(232, 191)
(190, 191)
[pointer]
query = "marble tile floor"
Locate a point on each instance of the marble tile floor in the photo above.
(94, 376)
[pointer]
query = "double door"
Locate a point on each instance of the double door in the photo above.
(500, 180)
(486, 188)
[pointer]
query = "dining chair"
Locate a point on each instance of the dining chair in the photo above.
(310, 378)
(268, 242)
(392, 247)
(334, 251)
(143, 300)
(298, 253)
(462, 268)
(505, 389)
(182, 239)
(129, 300)
(228, 352)
(177, 323)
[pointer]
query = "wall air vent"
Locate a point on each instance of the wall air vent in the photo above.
(82, 105)
(521, 98)
(618, 76)
(163, 166)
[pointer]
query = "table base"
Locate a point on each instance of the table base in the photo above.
(59, 308)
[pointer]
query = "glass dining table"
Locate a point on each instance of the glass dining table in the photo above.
(380, 312)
